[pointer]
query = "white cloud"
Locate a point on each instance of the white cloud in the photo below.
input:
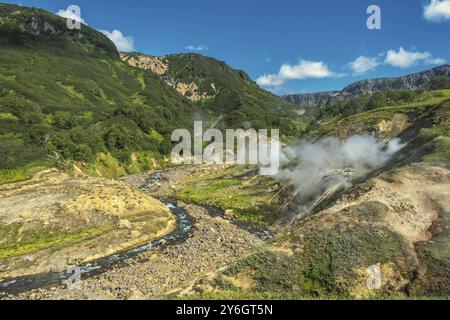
(201, 47)
(436, 61)
(437, 10)
(363, 64)
(303, 70)
(123, 43)
(405, 59)
(270, 80)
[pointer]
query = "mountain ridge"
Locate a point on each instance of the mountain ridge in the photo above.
(220, 91)
(411, 81)
(24, 26)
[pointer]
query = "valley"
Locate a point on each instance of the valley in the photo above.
(173, 268)
(87, 180)
(397, 220)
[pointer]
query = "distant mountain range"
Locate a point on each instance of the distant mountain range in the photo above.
(410, 82)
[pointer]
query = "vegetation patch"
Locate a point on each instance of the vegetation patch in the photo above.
(331, 120)
(320, 257)
(33, 241)
(20, 174)
(434, 255)
(236, 189)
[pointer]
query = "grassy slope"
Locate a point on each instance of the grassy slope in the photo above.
(234, 188)
(34, 241)
(232, 94)
(372, 117)
(75, 97)
(237, 97)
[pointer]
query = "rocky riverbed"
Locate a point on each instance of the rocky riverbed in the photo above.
(215, 243)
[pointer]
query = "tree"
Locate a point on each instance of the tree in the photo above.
(64, 120)
(39, 135)
(377, 100)
(83, 153)
(352, 107)
(116, 138)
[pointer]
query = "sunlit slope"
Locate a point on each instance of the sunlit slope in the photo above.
(68, 92)
(228, 98)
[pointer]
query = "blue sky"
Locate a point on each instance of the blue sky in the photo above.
(288, 46)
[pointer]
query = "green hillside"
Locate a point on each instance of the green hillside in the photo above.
(66, 95)
(67, 92)
(227, 97)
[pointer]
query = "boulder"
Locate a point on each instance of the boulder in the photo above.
(124, 224)
(135, 234)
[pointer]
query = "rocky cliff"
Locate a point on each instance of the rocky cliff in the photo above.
(313, 99)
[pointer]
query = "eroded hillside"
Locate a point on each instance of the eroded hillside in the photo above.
(54, 221)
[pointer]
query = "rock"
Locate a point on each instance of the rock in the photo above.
(136, 295)
(28, 258)
(229, 214)
(4, 267)
(135, 234)
(25, 215)
(124, 224)
(77, 172)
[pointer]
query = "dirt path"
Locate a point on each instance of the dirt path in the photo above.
(214, 244)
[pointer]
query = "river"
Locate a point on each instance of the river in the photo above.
(46, 280)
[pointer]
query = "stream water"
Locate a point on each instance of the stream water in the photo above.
(46, 280)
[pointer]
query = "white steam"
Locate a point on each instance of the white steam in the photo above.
(332, 163)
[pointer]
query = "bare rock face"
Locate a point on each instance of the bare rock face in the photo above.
(313, 99)
(156, 65)
(124, 224)
(191, 91)
(410, 82)
(391, 128)
(160, 67)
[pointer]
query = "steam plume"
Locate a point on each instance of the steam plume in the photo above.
(330, 165)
